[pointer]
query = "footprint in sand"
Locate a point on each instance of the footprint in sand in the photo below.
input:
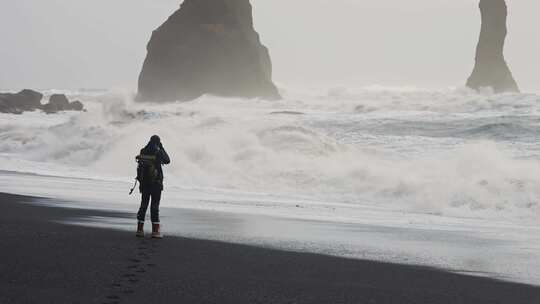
(136, 266)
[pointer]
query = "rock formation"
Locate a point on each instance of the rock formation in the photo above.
(491, 69)
(207, 47)
(59, 102)
(28, 100)
(25, 100)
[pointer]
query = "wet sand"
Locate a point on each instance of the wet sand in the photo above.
(45, 261)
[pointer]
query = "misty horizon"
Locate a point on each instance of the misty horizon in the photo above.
(315, 43)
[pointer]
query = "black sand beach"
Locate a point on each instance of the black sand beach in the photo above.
(43, 261)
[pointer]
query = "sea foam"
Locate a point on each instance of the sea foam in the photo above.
(450, 152)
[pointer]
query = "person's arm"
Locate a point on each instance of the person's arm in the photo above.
(164, 156)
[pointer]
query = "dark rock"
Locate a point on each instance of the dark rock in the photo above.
(50, 109)
(76, 106)
(491, 69)
(28, 100)
(25, 100)
(207, 47)
(60, 102)
(57, 103)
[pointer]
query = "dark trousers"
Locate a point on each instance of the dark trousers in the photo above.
(155, 195)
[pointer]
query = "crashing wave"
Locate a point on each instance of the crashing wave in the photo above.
(449, 151)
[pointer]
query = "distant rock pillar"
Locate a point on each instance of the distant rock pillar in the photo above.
(491, 69)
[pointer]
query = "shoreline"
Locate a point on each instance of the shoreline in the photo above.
(44, 261)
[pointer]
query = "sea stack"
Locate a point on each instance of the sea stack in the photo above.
(207, 47)
(491, 69)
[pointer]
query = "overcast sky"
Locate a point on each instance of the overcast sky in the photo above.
(424, 43)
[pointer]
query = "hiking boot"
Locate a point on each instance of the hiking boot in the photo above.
(156, 232)
(140, 230)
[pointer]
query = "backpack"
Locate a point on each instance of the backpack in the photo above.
(147, 170)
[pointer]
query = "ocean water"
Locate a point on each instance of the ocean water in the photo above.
(450, 152)
(446, 178)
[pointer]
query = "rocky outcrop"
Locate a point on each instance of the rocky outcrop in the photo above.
(25, 100)
(59, 102)
(207, 47)
(491, 69)
(28, 100)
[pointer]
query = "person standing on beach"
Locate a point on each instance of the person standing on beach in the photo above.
(150, 177)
